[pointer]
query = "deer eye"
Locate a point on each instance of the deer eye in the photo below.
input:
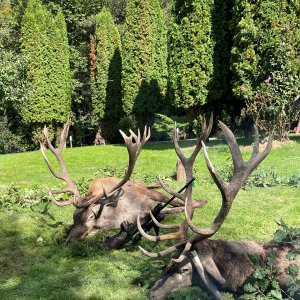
(92, 216)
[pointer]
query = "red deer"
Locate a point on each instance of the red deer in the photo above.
(109, 201)
(214, 264)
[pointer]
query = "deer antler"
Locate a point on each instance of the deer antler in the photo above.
(71, 187)
(228, 191)
(188, 163)
(134, 144)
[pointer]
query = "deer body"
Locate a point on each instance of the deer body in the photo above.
(230, 259)
(125, 204)
(219, 264)
(110, 201)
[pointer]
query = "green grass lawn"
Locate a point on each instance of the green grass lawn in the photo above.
(34, 264)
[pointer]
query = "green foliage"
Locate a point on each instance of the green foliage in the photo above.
(265, 62)
(288, 236)
(294, 180)
(163, 126)
(45, 47)
(9, 141)
(127, 123)
(191, 55)
(106, 82)
(14, 197)
(263, 283)
(144, 73)
(13, 84)
(262, 178)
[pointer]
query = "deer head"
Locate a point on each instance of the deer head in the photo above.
(194, 250)
(98, 209)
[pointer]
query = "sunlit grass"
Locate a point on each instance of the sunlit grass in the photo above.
(34, 263)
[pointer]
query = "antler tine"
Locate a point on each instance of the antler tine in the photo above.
(146, 136)
(57, 152)
(257, 157)
(179, 235)
(216, 177)
(228, 191)
(217, 223)
(201, 271)
(176, 145)
(60, 203)
(185, 251)
(205, 130)
(163, 226)
(134, 149)
(56, 175)
(163, 252)
(64, 134)
(233, 146)
(256, 142)
(204, 133)
(170, 191)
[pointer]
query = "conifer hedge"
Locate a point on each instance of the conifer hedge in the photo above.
(106, 81)
(45, 46)
(144, 73)
(191, 54)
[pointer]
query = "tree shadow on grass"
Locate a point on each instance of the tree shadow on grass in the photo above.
(186, 144)
(41, 267)
(31, 270)
(34, 264)
(295, 138)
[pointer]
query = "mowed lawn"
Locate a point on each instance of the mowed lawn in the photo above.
(34, 263)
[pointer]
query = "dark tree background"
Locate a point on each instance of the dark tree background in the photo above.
(123, 63)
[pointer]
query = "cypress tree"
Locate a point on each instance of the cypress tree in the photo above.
(106, 79)
(144, 74)
(191, 54)
(45, 46)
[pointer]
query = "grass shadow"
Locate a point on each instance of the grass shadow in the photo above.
(295, 138)
(31, 270)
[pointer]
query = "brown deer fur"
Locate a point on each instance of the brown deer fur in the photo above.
(230, 258)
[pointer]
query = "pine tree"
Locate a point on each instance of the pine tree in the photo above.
(45, 47)
(106, 79)
(144, 74)
(191, 54)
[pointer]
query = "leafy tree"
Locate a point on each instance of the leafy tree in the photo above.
(265, 61)
(191, 54)
(45, 47)
(144, 73)
(12, 82)
(106, 78)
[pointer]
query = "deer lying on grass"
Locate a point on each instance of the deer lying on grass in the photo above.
(214, 264)
(109, 201)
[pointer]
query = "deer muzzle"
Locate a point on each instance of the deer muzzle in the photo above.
(77, 232)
